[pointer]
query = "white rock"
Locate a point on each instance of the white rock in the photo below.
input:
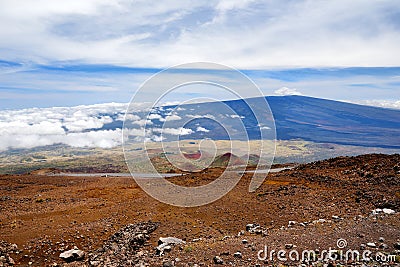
(376, 211)
(336, 218)
(388, 211)
(170, 240)
(165, 242)
(218, 260)
(72, 255)
(237, 254)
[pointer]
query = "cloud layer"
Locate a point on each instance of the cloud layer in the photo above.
(381, 103)
(79, 126)
(244, 34)
(85, 126)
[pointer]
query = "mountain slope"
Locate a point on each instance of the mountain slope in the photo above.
(296, 117)
(321, 120)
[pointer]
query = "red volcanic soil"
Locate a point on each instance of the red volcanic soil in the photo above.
(193, 156)
(46, 215)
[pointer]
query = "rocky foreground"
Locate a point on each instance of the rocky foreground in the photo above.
(311, 215)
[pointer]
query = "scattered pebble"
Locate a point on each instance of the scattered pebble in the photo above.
(237, 254)
(218, 260)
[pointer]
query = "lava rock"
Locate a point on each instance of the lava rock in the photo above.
(289, 246)
(123, 245)
(168, 264)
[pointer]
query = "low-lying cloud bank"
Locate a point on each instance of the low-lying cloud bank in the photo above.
(79, 126)
(381, 103)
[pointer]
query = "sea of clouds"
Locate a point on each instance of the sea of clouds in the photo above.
(78, 126)
(83, 126)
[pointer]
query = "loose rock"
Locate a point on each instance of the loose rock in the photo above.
(168, 264)
(74, 254)
(218, 260)
(164, 244)
(237, 254)
(123, 245)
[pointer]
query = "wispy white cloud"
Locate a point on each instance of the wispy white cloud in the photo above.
(174, 131)
(172, 117)
(41, 39)
(235, 116)
(287, 91)
(143, 122)
(154, 117)
(393, 104)
(202, 129)
(194, 116)
(244, 34)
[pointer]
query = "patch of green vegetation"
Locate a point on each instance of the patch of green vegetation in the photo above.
(26, 159)
(38, 156)
(188, 249)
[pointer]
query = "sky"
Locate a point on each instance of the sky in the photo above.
(93, 55)
(68, 53)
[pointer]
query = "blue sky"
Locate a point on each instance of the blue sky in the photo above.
(67, 53)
